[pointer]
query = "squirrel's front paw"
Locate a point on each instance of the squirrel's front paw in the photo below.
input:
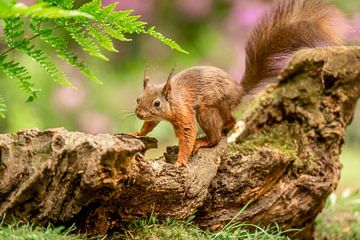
(181, 164)
(135, 134)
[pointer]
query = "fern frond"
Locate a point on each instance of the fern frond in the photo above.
(88, 44)
(61, 47)
(117, 23)
(124, 22)
(171, 43)
(14, 37)
(65, 4)
(14, 32)
(3, 108)
(38, 10)
(101, 17)
(114, 33)
(50, 67)
(102, 37)
(93, 7)
(14, 71)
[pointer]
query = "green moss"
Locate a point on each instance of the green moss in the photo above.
(247, 108)
(277, 138)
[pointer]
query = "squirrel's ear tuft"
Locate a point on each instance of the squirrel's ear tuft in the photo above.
(146, 81)
(167, 88)
(146, 77)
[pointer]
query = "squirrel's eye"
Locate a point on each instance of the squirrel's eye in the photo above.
(138, 100)
(156, 103)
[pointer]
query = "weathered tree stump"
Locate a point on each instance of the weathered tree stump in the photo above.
(285, 161)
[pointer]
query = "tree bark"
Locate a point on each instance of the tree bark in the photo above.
(282, 165)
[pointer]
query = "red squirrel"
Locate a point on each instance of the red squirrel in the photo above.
(210, 96)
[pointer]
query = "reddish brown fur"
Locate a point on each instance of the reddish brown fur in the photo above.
(288, 27)
(210, 96)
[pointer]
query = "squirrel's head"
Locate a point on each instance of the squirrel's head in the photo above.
(153, 103)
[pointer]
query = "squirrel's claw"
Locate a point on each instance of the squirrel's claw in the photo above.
(181, 164)
(134, 134)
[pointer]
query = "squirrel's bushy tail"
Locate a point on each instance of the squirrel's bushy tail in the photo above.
(288, 27)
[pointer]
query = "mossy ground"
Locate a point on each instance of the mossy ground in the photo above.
(276, 138)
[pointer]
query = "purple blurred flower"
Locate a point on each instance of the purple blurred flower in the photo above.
(237, 67)
(27, 2)
(94, 122)
(356, 25)
(244, 14)
(195, 9)
(68, 99)
(242, 17)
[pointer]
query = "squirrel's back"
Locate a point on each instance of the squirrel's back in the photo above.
(289, 26)
(206, 86)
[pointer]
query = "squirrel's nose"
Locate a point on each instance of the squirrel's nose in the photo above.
(139, 114)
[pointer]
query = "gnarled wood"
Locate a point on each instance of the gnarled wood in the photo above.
(285, 161)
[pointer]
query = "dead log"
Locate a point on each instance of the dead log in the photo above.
(285, 161)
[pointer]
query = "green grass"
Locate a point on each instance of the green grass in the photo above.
(152, 229)
(31, 232)
(341, 217)
(169, 229)
(148, 229)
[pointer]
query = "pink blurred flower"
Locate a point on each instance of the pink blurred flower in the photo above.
(94, 122)
(65, 98)
(242, 17)
(355, 36)
(237, 67)
(244, 14)
(195, 9)
(27, 2)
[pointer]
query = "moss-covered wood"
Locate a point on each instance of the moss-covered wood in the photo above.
(285, 161)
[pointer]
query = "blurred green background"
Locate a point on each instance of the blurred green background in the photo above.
(213, 31)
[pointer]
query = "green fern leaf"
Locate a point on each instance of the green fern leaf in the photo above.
(98, 32)
(115, 34)
(88, 44)
(171, 43)
(38, 10)
(13, 70)
(3, 108)
(101, 16)
(93, 7)
(61, 47)
(116, 23)
(14, 33)
(101, 36)
(50, 67)
(66, 4)
(14, 37)
(126, 23)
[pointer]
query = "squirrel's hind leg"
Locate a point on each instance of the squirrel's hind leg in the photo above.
(211, 122)
(229, 122)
